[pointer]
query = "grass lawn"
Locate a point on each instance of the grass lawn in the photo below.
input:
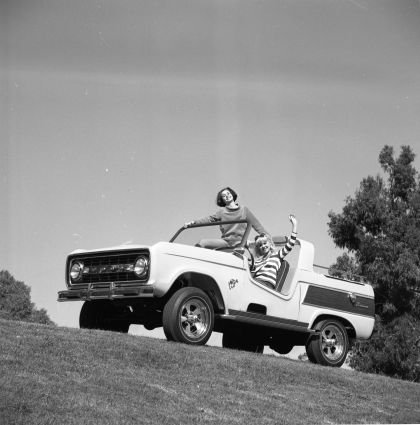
(53, 375)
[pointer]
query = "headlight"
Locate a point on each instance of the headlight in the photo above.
(76, 271)
(140, 266)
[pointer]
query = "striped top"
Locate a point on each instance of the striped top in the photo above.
(266, 268)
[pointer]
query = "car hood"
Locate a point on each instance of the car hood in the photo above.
(112, 248)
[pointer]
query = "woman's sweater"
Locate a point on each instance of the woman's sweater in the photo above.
(232, 233)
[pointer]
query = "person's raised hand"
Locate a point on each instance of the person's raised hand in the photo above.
(293, 220)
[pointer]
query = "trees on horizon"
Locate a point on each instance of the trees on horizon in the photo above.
(379, 229)
(15, 301)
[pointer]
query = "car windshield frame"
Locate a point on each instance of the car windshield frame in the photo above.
(218, 223)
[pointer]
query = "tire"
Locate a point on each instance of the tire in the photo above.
(236, 340)
(330, 348)
(188, 317)
(98, 315)
(310, 355)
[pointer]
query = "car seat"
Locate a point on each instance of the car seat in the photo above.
(281, 275)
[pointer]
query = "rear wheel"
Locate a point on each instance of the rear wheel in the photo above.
(102, 314)
(188, 317)
(331, 346)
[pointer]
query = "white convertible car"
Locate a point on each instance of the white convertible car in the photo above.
(192, 292)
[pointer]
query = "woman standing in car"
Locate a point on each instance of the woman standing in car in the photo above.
(229, 210)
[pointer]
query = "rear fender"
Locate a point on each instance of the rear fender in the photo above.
(351, 332)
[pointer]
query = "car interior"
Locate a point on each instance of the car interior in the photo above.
(286, 272)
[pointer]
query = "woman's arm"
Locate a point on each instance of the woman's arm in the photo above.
(254, 222)
(209, 219)
(292, 240)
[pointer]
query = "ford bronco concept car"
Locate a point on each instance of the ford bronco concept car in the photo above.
(193, 291)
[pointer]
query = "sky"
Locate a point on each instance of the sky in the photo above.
(121, 120)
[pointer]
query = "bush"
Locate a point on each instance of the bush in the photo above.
(15, 301)
(393, 349)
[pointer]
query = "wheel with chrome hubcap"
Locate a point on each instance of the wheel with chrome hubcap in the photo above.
(331, 346)
(188, 317)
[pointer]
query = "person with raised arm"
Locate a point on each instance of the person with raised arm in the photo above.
(269, 260)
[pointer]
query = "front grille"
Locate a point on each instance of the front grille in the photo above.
(107, 267)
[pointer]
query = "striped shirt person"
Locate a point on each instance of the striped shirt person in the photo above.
(268, 263)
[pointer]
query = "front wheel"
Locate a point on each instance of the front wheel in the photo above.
(330, 348)
(188, 317)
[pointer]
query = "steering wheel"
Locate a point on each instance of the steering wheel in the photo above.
(251, 260)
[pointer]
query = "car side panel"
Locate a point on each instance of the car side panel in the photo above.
(169, 261)
(230, 272)
(350, 301)
(250, 291)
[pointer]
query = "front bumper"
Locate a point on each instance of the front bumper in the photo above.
(110, 292)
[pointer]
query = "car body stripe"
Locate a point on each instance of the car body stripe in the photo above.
(339, 300)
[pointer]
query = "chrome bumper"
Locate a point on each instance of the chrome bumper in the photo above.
(110, 293)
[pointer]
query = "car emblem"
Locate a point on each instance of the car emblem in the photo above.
(232, 283)
(352, 298)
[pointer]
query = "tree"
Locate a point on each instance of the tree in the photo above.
(346, 268)
(392, 350)
(380, 230)
(15, 301)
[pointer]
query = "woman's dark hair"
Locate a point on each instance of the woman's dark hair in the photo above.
(219, 200)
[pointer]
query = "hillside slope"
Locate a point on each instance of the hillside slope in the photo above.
(52, 375)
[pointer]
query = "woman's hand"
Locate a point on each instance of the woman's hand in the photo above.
(293, 220)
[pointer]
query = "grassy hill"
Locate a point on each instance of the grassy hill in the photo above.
(51, 375)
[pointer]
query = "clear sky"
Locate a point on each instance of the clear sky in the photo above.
(120, 120)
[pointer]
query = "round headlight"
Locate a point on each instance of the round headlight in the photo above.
(76, 271)
(140, 266)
